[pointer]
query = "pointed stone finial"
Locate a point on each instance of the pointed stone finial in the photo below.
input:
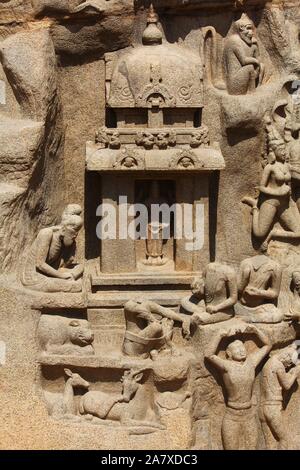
(244, 20)
(152, 34)
(152, 15)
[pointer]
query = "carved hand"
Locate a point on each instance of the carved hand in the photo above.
(186, 328)
(67, 276)
(211, 309)
(253, 291)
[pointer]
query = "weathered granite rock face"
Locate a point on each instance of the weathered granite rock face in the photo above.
(177, 329)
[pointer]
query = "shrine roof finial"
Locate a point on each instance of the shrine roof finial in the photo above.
(152, 34)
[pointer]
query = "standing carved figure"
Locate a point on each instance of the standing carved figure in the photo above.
(213, 295)
(49, 266)
(275, 203)
(275, 380)
(244, 71)
(239, 427)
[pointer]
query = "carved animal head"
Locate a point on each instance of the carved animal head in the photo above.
(76, 379)
(79, 334)
(131, 382)
(245, 27)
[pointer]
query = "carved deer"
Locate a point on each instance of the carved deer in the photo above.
(134, 405)
(66, 406)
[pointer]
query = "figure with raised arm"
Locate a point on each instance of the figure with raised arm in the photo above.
(278, 375)
(239, 427)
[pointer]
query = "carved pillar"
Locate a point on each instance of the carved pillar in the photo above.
(122, 252)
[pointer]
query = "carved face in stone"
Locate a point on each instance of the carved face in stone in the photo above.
(246, 32)
(70, 229)
(280, 152)
(186, 162)
(197, 286)
(289, 357)
(79, 334)
(129, 162)
(236, 351)
(130, 382)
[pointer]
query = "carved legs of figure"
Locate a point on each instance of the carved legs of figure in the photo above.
(273, 426)
(244, 80)
(51, 284)
(202, 317)
(264, 217)
(239, 430)
(289, 218)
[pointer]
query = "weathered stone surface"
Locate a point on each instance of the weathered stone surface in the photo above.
(151, 330)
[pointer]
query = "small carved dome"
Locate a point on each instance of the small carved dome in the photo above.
(152, 34)
(167, 74)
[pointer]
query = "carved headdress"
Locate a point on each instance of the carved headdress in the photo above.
(273, 139)
(243, 21)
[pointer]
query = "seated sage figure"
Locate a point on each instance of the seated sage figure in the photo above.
(244, 71)
(149, 328)
(213, 295)
(49, 265)
(259, 287)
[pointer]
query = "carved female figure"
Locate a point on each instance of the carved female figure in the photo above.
(275, 202)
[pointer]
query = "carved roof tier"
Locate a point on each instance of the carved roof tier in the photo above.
(164, 75)
(137, 159)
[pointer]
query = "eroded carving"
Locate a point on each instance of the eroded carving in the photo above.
(275, 203)
(244, 70)
(64, 406)
(49, 265)
(200, 137)
(278, 376)
(259, 288)
(213, 295)
(64, 336)
(133, 407)
(149, 328)
(239, 427)
(129, 159)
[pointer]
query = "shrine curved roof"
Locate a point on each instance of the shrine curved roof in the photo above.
(164, 75)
